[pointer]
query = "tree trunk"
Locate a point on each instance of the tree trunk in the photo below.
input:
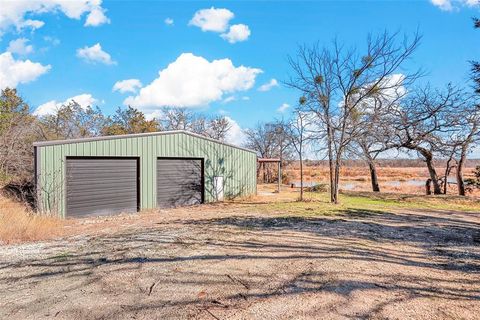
(373, 176)
(460, 182)
(433, 175)
(333, 191)
(301, 177)
(428, 155)
(336, 179)
(333, 186)
(371, 165)
(264, 174)
(448, 169)
(445, 184)
(437, 189)
(428, 187)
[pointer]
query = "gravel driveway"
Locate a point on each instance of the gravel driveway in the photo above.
(234, 262)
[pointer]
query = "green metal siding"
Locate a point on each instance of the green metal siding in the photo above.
(237, 166)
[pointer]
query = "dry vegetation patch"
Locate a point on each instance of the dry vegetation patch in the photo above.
(18, 223)
(400, 179)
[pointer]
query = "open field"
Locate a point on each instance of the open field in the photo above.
(391, 256)
(392, 179)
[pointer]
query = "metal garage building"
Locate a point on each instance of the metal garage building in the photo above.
(127, 173)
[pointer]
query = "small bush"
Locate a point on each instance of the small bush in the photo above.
(473, 183)
(321, 187)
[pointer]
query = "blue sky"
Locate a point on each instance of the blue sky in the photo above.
(53, 49)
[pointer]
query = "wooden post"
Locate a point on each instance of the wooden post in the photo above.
(279, 175)
(264, 174)
(428, 187)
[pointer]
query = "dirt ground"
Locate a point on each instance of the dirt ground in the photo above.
(236, 261)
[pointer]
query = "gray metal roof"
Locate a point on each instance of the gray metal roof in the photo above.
(135, 135)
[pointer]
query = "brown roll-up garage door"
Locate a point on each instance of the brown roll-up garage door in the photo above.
(101, 186)
(179, 182)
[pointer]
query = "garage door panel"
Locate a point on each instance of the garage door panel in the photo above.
(96, 203)
(95, 208)
(104, 197)
(87, 185)
(179, 182)
(108, 174)
(101, 186)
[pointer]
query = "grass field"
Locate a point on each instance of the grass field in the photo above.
(319, 204)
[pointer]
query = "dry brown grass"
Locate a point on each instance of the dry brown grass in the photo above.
(18, 223)
(354, 173)
(359, 178)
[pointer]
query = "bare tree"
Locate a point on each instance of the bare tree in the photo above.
(183, 119)
(425, 123)
(367, 148)
(373, 136)
(466, 134)
(218, 128)
(298, 134)
(177, 119)
(476, 64)
(270, 141)
(17, 132)
(262, 139)
(282, 140)
(335, 82)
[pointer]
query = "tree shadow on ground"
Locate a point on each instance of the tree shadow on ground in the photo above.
(441, 242)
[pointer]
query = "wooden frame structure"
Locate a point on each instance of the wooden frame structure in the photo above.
(273, 160)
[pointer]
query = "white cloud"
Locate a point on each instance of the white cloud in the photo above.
(237, 33)
(235, 135)
(269, 85)
(19, 14)
(192, 81)
(218, 20)
(442, 4)
(95, 54)
(52, 40)
(168, 21)
(13, 72)
(229, 99)
(130, 85)
(449, 5)
(20, 46)
(283, 107)
(84, 100)
(96, 17)
(212, 19)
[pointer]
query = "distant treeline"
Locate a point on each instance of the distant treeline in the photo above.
(19, 128)
(393, 163)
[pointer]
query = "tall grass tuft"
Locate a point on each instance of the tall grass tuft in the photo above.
(18, 223)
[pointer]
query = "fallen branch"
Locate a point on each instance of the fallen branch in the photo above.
(236, 280)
